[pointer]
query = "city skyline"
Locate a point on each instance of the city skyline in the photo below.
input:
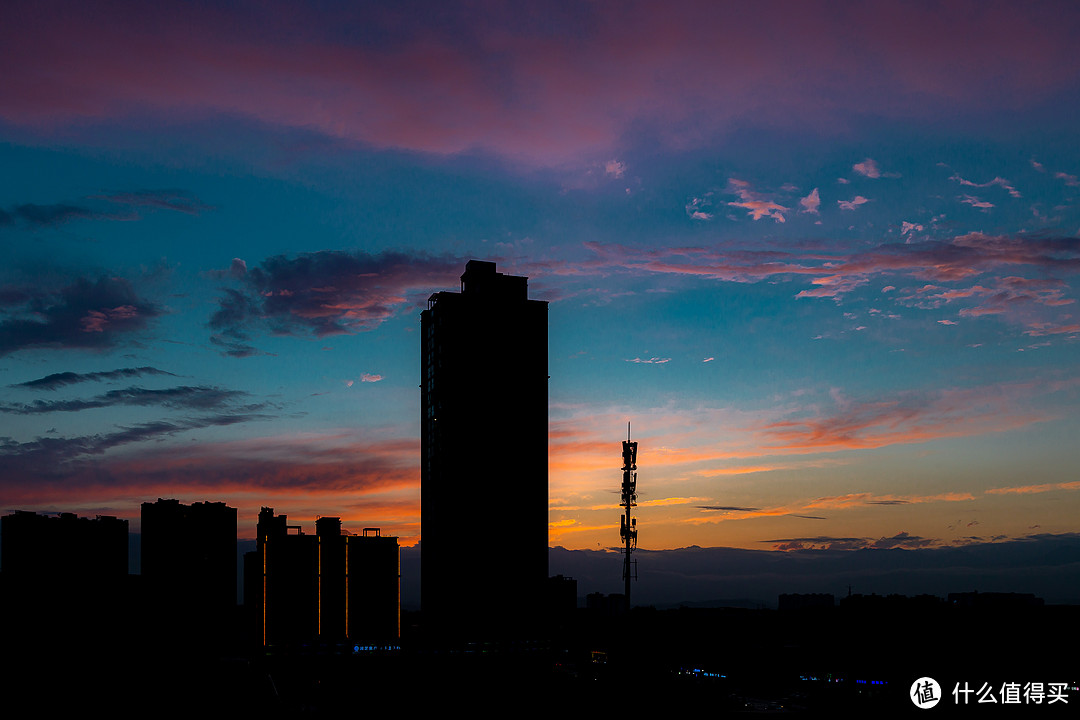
(823, 257)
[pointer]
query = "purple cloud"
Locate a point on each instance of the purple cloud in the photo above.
(619, 67)
(324, 293)
(86, 314)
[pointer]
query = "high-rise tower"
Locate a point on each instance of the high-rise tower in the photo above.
(484, 470)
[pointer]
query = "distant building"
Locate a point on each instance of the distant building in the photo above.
(995, 600)
(64, 580)
(63, 546)
(597, 603)
(802, 601)
(326, 588)
(562, 595)
(189, 556)
(484, 468)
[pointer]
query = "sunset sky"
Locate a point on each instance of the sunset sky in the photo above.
(824, 256)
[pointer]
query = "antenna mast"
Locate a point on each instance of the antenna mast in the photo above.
(628, 526)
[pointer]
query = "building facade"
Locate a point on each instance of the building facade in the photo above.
(328, 588)
(63, 545)
(484, 467)
(189, 556)
(63, 581)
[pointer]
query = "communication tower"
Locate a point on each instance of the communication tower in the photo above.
(628, 526)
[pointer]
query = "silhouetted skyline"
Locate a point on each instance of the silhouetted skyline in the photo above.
(825, 257)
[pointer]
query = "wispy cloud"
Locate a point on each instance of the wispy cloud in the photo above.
(57, 380)
(1000, 259)
(867, 168)
(976, 202)
(1070, 180)
(908, 418)
(697, 208)
(826, 542)
(862, 499)
(908, 228)
(756, 204)
(615, 168)
(852, 203)
(41, 216)
(182, 397)
(1034, 489)
(177, 200)
(997, 181)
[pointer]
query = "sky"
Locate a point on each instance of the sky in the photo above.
(823, 256)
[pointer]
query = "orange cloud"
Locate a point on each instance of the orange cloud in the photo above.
(1031, 489)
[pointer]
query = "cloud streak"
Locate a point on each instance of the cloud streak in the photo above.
(182, 397)
(116, 465)
(1021, 274)
(908, 418)
(63, 379)
(176, 200)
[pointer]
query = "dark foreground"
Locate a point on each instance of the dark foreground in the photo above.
(842, 662)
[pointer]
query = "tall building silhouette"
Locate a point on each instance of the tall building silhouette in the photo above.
(484, 468)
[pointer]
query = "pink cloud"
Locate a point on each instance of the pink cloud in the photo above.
(852, 203)
(499, 79)
(1070, 180)
(976, 202)
(98, 320)
(868, 168)
(1040, 329)
(998, 181)
(909, 418)
(811, 202)
(907, 228)
(758, 205)
(614, 168)
(955, 261)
